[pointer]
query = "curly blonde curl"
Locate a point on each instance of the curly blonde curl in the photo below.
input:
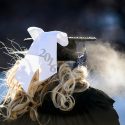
(61, 86)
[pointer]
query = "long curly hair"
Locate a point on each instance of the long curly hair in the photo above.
(61, 86)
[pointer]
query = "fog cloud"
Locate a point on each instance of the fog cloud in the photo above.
(107, 68)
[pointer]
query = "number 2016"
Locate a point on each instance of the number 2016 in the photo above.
(47, 57)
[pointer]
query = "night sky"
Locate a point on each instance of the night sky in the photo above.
(101, 18)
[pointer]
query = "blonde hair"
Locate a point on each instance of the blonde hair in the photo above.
(61, 86)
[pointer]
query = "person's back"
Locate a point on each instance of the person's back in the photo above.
(93, 107)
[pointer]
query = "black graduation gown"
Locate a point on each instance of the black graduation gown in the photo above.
(93, 107)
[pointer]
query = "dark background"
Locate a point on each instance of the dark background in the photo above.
(104, 19)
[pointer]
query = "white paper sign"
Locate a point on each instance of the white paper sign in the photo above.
(42, 54)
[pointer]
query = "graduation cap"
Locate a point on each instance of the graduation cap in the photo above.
(46, 50)
(75, 51)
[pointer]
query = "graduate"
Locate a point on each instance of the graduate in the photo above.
(49, 86)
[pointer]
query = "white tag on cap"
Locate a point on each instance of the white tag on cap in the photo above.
(45, 46)
(44, 49)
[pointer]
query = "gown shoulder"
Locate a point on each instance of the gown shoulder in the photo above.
(92, 107)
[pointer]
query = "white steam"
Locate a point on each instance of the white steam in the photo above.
(107, 68)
